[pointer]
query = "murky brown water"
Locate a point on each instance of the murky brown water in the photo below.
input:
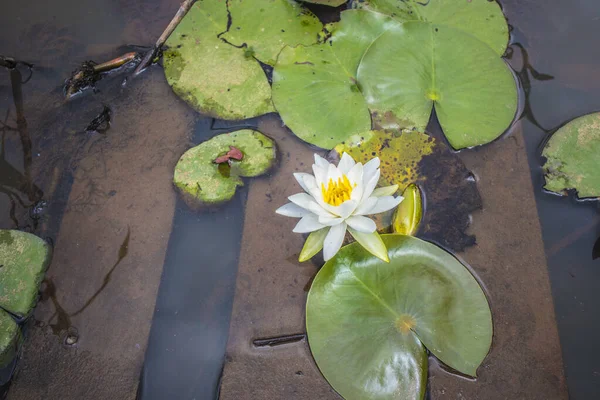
(120, 233)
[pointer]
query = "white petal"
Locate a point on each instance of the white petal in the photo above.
(307, 224)
(366, 206)
(357, 192)
(300, 178)
(304, 200)
(310, 182)
(333, 241)
(346, 209)
(330, 220)
(385, 191)
(346, 163)
(333, 173)
(292, 210)
(318, 210)
(386, 203)
(355, 175)
(320, 175)
(370, 168)
(362, 224)
(370, 185)
(321, 162)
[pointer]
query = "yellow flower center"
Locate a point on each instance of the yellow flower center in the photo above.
(337, 192)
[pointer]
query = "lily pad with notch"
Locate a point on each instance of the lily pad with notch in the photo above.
(410, 157)
(205, 182)
(482, 19)
(573, 158)
(24, 259)
(265, 27)
(211, 75)
(369, 322)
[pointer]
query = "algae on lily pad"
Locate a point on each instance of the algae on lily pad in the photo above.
(213, 76)
(9, 339)
(266, 26)
(573, 157)
(366, 319)
(482, 19)
(23, 261)
(203, 181)
(407, 71)
(409, 157)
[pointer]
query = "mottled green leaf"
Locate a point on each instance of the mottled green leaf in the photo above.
(483, 19)
(366, 319)
(573, 157)
(266, 26)
(23, 261)
(406, 71)
(9, 339)
(203, 182)
(211, 75)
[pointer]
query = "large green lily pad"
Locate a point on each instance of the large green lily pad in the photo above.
(573, 157)
(406, 71)
(203, 182)
(315, 89)
(23, 261)
(365, 319)
(482, 19)
(413, 157)
(398, 71)
(9, 339)
(266, 26)
(211, 75)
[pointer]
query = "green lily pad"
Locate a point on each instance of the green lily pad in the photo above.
(203, 182)
(23, 261)
(405, 72)
(9, 339)
(315, 89)
(482, 19)
(365, 319)
(573, 157)
(212, 76)
(265, 27)
(413, 157)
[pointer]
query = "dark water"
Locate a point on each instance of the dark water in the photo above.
(553, 51)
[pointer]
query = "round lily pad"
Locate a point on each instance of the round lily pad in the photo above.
(9, 339)
(24, 259)
(212, 76)
(315, 89)
(407, 71)
(573, 157)
(366, 319)
(482, 19)
(265, 27)
(203, 181)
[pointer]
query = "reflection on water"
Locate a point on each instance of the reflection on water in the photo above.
(59, 172)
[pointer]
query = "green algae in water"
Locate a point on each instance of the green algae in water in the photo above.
(573, 157)
(10, 335)
(23, 259)
(204, 182)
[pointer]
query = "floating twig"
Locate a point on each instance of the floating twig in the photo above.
(152, 54)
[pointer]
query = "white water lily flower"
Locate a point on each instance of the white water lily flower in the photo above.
(337, 199)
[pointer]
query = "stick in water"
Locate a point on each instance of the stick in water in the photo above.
(147, 60)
